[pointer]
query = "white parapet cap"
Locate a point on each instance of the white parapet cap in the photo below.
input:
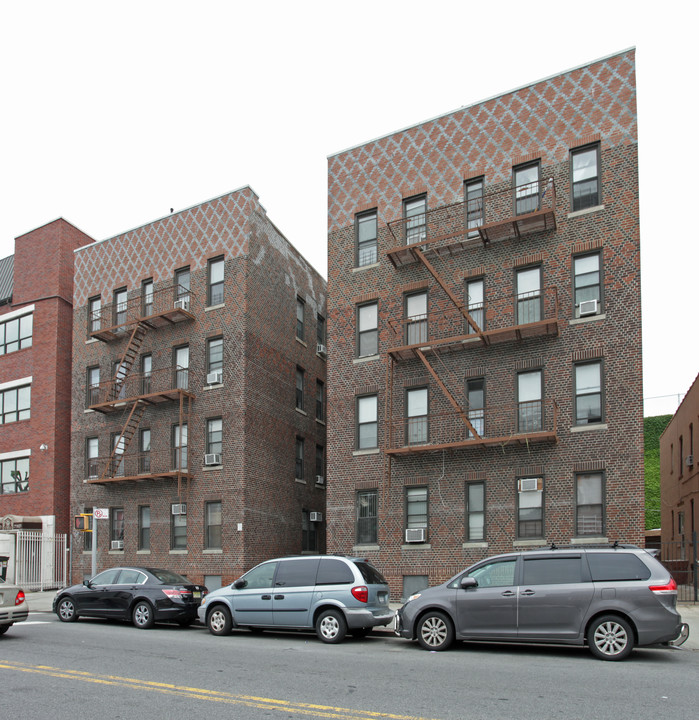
(17, 313)
(16, 383)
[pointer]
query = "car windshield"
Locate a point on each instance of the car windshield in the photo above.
(370, 574)
(169, 578)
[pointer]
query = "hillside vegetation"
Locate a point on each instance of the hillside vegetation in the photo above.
(652, 430)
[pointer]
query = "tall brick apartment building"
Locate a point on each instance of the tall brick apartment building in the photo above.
(199, 393)
(484, 316)
(36, 310)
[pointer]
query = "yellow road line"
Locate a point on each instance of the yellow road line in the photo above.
(324, 711)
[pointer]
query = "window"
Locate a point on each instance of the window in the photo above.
(585, 177)
(120, 306)
(181, 362)
(367, 517)
(309, 535)
(144, 451)
(416, 318)
(612, 566)
(212, 530)
(320, 462)
(414, 213)
(552, 571)
(147, 297)
(16, 334)
(528, 283)
(144, 527)
(475, 398)
(416, 507)
(178, 532)
(214, 436)
(299, 469)
(588, 393)
(300, 318)
(91, 455)
(15, 404)
(320, 329)
(215, 284)
(93, 385)
(589, 504)
(182, 284)
(118, 390)
(333, 571)
(475, 304)
(416, 402)
(116, 524)
(475, 511)
(261, 576)
(320, 401)
(493, 574)
(473, 191)
(368, 329)
(300, 378)
(530, 511)
(214, 355)
(118, 446)
(146, 374)
(366, 229)
(529, 394)
(526, 180)
(94, 316)
(367, 422)
(297, 573)
(14, 476)
(179, 447)
(587, 284)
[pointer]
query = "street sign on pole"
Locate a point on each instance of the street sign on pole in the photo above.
(100, 513)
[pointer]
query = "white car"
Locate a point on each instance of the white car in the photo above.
(13, 606)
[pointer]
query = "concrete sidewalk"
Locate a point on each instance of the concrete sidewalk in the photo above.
(43, 602)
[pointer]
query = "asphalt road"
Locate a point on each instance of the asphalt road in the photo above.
(97, 668)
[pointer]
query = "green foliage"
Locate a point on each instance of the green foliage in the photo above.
(653, 428)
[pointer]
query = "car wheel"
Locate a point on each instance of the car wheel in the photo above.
(435, 631)
(610, 638)
(219, 621)
(66, 610)
(331, 626)
(4, 628)
(142, 615)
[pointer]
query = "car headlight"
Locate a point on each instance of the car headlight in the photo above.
(413, 597)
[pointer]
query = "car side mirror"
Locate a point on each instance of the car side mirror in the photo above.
(469, 582)
(240, 584)
(87, 583)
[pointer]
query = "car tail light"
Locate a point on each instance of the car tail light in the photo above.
(20, 598)
(361, 593)
(174, 594)
(669, 588)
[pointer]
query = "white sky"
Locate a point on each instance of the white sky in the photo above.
(113, 113)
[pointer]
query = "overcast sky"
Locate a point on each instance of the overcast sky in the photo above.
(113, 113)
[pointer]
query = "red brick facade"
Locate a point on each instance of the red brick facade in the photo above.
(40, 288)
(264, 508)
(589, 108)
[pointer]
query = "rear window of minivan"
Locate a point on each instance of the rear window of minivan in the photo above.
(370, 574)
(617, 566)
(334, 572)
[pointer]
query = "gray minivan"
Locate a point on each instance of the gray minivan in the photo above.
(612, 598)
(331, 594)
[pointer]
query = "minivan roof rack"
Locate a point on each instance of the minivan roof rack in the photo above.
(585, 546)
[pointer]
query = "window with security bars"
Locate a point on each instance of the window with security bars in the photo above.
(147, 298)
(530, 402)
(416, 421)
(414, 212)
(475, 304)
(120, 306)
(416, 507)
(526, 181)
(366, 231)
(367, 517)
(475, 210)
(589, 504)
(93, 386)
(183, 281)
(529, 296)
(91, 456)
(530, 513)
(475, 397)
(179, 447)
(144, 451)
(416, 318)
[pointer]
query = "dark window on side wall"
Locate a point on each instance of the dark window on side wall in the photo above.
(584, 168)
(366, 231)
(215, 289)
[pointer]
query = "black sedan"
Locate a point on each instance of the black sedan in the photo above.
(141, 595)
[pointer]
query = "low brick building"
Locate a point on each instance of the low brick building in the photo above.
(484, 319)
(199, 393)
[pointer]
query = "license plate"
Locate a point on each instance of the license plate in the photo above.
(196, 595)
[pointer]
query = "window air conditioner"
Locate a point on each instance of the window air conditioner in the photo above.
(528, 484)
(212, 459)
(117, 544)
(588, 307)
(320, 480)
(179, 508)
(415, 535)
(321, 349)
(182, 304)
(315, 517)
(214, 378)
(689, 460)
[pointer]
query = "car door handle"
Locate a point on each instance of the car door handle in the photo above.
(527, 592)
(278, 597)
(508, 593)
(266, 597)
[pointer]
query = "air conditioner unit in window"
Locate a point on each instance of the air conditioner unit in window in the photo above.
(212, 459)
(214, 378)
(528, 484)
(315, 517)
(321, 350)
(588, 307)
(117, 544)
(320, 480)
(689, 460)
(182, 304)
(415, 535)
(179, 508)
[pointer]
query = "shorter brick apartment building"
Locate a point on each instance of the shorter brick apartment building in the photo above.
(36, 310)
(198, 409)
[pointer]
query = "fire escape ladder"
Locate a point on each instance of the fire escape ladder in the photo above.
(124, 440)
(127, 359)
(457, 303)
(448, 395)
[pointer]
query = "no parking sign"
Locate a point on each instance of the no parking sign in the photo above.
(100, 513)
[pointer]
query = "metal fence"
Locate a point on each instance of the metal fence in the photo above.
(40, 561)
(681, 559)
